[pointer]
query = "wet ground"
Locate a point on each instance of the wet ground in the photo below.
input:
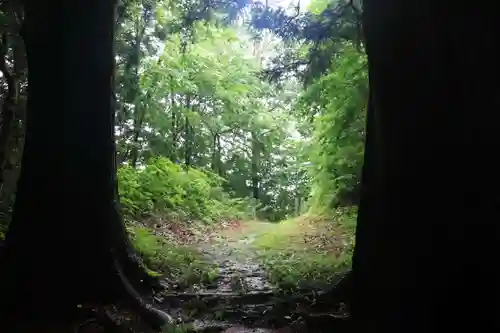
(241, 299)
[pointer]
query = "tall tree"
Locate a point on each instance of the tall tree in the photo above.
(13, 96)
(66, 244)
(415, 264)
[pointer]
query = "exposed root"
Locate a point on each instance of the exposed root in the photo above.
(152, 316)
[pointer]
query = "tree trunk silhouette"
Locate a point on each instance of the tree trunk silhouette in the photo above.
(8, 103)
(188, 134)
(216, 154)
(66, 244)
(139, 110)
(419, 263)
(255, 166)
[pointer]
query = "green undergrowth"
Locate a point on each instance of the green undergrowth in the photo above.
(308, 251)
(167, 258)
(164, 188)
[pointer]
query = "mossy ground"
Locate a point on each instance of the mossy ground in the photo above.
(305, 252)
(178, 262)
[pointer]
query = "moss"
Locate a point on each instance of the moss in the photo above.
(162, 257)
(306, 252)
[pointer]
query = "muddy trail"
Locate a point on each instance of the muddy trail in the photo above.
(241, 298)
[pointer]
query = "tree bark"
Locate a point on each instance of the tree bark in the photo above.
(188, 134)
(9, 102)
(255, 166)
(139, 110)
(216, 154)
(174, 124)
(12, 132)
(417, 263)
(66, 244)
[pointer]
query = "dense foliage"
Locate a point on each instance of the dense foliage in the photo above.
(338, 101)
(201, 134)
(200, 102)
(246, 112)
(163, 188)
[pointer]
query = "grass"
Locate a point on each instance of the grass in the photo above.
(308, 251)
(180, 263)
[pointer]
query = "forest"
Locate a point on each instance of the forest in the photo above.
(239, 133)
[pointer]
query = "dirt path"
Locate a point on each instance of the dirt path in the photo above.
(238, 298)
(241, 299)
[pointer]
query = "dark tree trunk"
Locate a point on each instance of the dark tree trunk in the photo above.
(67, 244)
(216, 154)
(188, 135)
(8, 104)
(255, 166)
(139, 111)
(138, 121)
(174, 125)
(12, 131)
(427, 238)
(220, 170)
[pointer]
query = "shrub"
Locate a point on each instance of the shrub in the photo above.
(165, 188)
